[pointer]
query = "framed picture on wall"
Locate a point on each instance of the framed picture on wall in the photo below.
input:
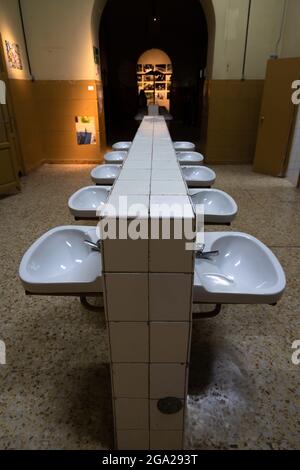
(149, 95)
(161, 68)
(149, 87)
(85, 130)
(13, 55)
(148, 68)
(160, 78)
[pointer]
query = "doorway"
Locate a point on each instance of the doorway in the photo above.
(10, 159)
(127, 30)
(277, 118)
(154, 77)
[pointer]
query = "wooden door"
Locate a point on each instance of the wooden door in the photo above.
(277, 117)
(9, 178)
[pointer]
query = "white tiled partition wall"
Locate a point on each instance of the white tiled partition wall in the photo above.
(148, 297)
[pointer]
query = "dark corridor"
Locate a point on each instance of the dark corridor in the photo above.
(127, 29)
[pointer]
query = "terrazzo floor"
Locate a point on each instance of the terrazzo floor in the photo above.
(55, 388)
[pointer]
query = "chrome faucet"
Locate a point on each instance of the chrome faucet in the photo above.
(201, 254)
(96, 246)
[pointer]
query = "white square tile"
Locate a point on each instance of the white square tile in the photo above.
(169, 342)
(168, 188)
(124, 187)
(165, 165)
(131, 439)
(161, 421)
(166, 440)
(170, 256)
(126, 255)
(135, 174)
(170, 297)
(131, 413)
(143, 165)
(168, 380)
(130, 380)
(166, 174)
(171, 206)
(126, 296)
(127, 206)
(129, 342)
(161, 156)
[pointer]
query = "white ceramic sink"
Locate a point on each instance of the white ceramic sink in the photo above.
(245, 271)
(122, 146)
(105, 174)
(190, 158)
(198, 176)
(184, 146)
(117, 157)
(87, 201)
(219, 207)
(59, 262)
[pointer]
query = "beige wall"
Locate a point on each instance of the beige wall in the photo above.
(60, 39)
(231, 21)
(266, 19)
(11, 30)
(291, 33)
(293, 169)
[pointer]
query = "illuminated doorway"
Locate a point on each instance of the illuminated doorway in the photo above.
(154, 77)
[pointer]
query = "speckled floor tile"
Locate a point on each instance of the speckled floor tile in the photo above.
(55, 388)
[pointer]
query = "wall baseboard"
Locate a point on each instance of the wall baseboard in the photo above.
(73, 162)
(35, 166)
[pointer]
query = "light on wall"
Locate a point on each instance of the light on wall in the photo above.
(91, 87)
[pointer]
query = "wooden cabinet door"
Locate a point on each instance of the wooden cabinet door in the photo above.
(277, 117)
(8, 175)
(9, 178)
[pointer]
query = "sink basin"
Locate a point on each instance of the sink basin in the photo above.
(117, 157)
(105, 174)
(184, 146)
(86, 201)
(245, 271)
(219, 207)
(59, 262)
(122, 146)
(198, 176)
(190, 158)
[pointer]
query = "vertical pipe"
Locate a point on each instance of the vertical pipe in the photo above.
(246, 40)
(25, 40)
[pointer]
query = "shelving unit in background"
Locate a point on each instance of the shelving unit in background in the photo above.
(156, 81)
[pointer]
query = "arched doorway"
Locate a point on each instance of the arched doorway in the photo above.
(154, 77)
(177, 27)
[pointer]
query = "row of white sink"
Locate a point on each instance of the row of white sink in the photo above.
(245, 270)
(219, 207)
(195, 175)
